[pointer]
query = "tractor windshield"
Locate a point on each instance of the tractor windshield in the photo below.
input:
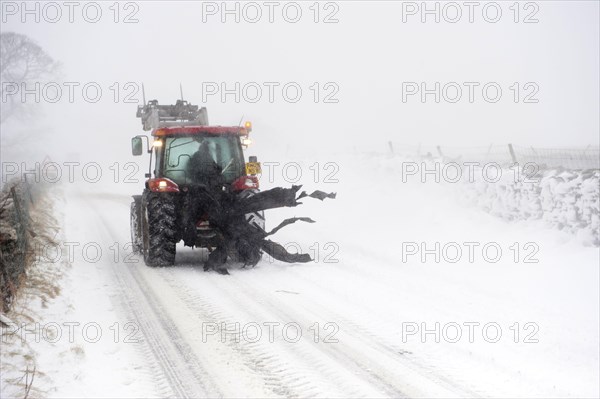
(224, 151)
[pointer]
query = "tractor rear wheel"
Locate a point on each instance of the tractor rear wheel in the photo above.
(135, 218)
(158, 229)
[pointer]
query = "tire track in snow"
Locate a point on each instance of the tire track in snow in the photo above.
(359, 331)
(368, 349)
(182, 373)
(163, 368)
(258, 358)
(344, 357)
(334, 377)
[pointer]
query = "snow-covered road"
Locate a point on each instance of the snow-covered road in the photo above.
(276, 308)
(361, 321)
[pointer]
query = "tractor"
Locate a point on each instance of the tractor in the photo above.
(187, 157)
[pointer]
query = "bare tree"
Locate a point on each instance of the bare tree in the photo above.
(22, 61)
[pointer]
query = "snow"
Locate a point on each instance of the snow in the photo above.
(368, 283)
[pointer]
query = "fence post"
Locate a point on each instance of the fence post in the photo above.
(16, 204)
(512, 153)
(21, 227)
(28, 189)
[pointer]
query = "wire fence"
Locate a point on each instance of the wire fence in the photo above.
(568, 158)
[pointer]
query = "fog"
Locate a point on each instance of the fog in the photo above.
(424, 215)
(360, 61)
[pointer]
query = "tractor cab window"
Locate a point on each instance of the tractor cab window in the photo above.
(159, 161)
(225, 151)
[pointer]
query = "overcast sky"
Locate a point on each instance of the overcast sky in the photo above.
(367, 61)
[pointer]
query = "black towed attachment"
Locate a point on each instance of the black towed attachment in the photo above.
(244, 241)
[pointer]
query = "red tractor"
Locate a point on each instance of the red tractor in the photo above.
(187, 153)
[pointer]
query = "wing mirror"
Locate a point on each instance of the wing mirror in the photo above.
(137, 145)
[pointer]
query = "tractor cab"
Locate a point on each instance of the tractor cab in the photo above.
(192, 165)
(186, 151)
